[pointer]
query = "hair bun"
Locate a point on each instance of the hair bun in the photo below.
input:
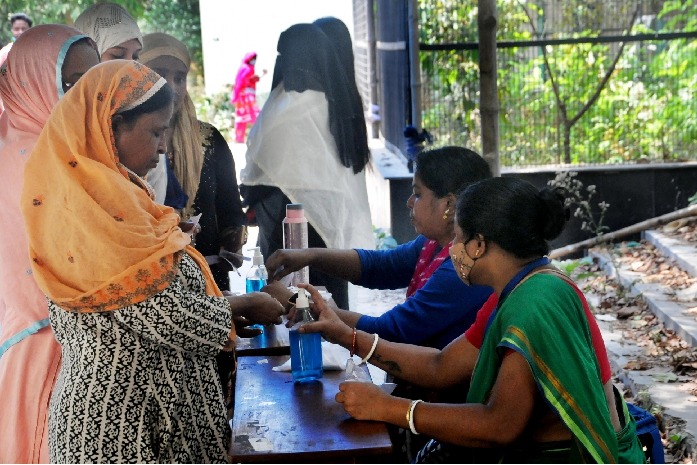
(555, 213)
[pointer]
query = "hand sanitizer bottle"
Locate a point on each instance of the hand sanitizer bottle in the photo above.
(257, 277)
(305, 348)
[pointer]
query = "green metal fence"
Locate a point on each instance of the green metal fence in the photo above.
(619, 91)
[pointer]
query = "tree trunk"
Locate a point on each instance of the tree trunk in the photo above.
(488, 87)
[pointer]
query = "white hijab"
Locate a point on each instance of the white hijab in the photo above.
(109, 25)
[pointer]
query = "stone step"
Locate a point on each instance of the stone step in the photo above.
(683, 253)
(669, 306)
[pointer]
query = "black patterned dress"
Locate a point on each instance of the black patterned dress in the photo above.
(140, 384)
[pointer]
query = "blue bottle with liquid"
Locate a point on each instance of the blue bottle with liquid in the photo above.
(257, 276)
(305, 348)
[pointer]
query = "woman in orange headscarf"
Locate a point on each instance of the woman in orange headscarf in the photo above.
(43, 64)
(133, 305)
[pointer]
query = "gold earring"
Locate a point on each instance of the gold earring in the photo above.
(476, 254)
(445, 215)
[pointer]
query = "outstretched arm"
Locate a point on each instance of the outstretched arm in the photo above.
(424, 366)
(343, 264)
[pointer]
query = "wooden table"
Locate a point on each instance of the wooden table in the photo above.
(277, 420)
(274, 341)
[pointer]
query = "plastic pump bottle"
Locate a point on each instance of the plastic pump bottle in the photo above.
(305, 348)
(295, 237)
(257, 277)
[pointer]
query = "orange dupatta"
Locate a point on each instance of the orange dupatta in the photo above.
(97, 241)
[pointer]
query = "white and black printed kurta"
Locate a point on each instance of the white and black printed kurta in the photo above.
(139, 384)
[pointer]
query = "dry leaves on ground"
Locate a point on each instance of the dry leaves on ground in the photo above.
(661, 347)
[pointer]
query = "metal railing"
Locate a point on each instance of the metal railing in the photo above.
(554, 110)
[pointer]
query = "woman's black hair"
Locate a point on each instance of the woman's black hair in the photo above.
(514, 214)
(309, 59)
(450, 169)
(158, 101)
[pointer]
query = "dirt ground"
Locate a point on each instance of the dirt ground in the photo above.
(661, 346)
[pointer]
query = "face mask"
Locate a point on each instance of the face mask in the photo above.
(462, 261)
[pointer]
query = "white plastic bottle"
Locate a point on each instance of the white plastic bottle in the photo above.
(295, 237)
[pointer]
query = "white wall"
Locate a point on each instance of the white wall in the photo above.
(231, 28)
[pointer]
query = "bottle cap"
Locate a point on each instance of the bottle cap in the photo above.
(258, 258)
(295, 210)
(301, 301)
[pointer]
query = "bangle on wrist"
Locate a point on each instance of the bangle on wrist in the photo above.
(353, 343)
(410, 416)
(372, 349)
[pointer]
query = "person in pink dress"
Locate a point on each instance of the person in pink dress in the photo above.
(44, 63)
(244, 96)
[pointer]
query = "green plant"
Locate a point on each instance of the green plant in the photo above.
(693, 199)
(383, 239)
(574, 269)
(215, 109)
(592, 216)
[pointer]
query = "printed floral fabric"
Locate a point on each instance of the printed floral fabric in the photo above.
(97, 240)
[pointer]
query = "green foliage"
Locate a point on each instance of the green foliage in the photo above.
(383, 239)
(215, 109)
(581, 197)
(646, 112)
(693, 200)
(574, 269)
(180, 18)
(54, 11)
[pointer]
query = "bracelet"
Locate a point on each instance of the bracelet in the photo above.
(372, 349)
(353, 343)
(410, 416)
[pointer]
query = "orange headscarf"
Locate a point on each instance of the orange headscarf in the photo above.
(97, 240)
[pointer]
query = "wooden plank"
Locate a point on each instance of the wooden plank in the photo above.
(277, 420)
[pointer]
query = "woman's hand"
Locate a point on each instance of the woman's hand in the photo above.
(328, 322)
(278, 291)
(363, 401)
(285, 261)
(242, 326)
(257, 308)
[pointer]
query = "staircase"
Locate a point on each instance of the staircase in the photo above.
(652, 340)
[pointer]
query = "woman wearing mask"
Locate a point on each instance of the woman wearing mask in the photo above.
(244, 96)
(540, 382)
